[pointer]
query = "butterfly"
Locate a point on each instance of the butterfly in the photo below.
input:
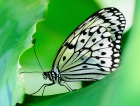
(92, 50)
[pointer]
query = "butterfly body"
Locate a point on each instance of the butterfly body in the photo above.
(91, 51)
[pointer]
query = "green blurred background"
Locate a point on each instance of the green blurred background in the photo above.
(62, 17)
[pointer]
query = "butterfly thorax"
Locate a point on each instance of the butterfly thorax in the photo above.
(52, 76)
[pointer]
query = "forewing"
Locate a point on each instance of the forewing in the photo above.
(111, 18)
(93, 49)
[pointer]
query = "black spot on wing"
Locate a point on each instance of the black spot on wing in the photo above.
(84, 32)
(70, 46)
(97, 57)
(98, 31)
(101, 44)
(93, 40)
(64, 58)
(84, 67)
(103, 53)
(83, 41)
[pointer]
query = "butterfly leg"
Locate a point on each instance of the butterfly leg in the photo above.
(44, 85)
(38, 90)
(63, 83)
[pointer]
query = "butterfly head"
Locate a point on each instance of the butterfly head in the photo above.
(45, 75)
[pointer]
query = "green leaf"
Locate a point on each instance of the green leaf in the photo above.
(17, 24)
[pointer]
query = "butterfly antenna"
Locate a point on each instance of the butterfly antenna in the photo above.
(33, 42)
(38, 60)
(30, 72)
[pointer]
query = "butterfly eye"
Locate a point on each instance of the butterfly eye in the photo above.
(45, 75)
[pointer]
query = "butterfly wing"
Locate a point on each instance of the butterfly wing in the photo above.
(93, 49)
(92, 58)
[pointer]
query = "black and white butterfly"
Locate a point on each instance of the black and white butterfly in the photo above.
(91, 51)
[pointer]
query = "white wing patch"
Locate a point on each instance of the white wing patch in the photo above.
(93, 49)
